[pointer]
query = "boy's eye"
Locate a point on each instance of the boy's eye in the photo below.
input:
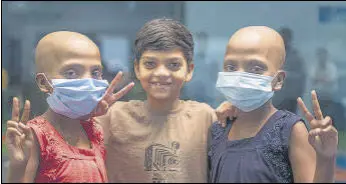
(149, 64)
(70, 74)
(174, 66)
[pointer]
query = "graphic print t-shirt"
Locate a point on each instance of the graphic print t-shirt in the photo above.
(146, 147)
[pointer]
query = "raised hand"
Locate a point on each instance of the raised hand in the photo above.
(224, 111)
(323, 136)
(19, 137)
(109, 97)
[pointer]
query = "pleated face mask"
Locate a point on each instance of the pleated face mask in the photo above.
(246, 91)
(75, 98)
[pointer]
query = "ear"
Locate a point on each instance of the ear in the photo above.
(136, 67)
(278, 82)
(190, 69)
(43, 83)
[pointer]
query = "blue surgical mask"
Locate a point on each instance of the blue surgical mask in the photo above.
(246, 91)
(75, 98)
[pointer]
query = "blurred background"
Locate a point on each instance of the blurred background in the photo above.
(314, 33)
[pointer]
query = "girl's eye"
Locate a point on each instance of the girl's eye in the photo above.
(97, 74)
(70, 74)
(256, 69)
(230, 68)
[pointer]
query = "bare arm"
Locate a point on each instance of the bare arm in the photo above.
(306, 167)
(33, 163)
(313, 154)
(25, 173)
(22, 146)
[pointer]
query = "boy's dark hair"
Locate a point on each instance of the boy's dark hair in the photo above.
(164, 34)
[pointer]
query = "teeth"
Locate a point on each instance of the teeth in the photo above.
(158, 84)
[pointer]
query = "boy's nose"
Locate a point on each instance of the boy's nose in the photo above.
(161, 71)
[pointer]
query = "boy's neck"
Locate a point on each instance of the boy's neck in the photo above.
(259, 115)
(59, 119)
(162, 107)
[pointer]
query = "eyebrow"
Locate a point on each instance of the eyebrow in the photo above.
(257, 62)
(100, 67)
(229, 61)
(149, 58)
(71, 66)
(177, 59)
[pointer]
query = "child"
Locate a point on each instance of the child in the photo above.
(264, 144)
(161, 139)
(64, 144)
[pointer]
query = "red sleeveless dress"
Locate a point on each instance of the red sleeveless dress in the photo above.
(63, 163)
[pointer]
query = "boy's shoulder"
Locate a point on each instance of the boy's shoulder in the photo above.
(122, 106)
(200, 106)
(202, 110)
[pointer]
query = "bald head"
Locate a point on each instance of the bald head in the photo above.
(258, 41)
(57, 47)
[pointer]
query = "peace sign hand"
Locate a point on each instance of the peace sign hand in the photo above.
(111, 98)
(19, 137)
(323, 136)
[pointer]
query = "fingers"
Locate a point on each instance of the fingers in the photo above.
(316, 106)
(26, 129)
(321, 123)
(12, 128)
(315, 132)
(225, 110)
(326, 122)
(101, 109)
(15, 109)
(26, 112)
(305, 110)
(13, 131)
(27, 132)
(222, 118)
(324, 132)
(121, 93)
(113, 84)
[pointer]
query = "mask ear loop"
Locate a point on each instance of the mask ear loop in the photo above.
(49, 83)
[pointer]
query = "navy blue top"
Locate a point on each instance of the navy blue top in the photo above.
(262, 158)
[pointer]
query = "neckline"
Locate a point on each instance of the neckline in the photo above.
(272, 118)
(173, 111)
(91, 150)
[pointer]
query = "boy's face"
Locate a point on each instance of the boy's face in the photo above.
(163, 73)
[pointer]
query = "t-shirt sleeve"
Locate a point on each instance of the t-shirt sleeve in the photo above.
(212, 114)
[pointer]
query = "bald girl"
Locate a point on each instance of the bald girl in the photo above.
(265, 144)
(41, 149)
(257, 43)
(57, 47)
